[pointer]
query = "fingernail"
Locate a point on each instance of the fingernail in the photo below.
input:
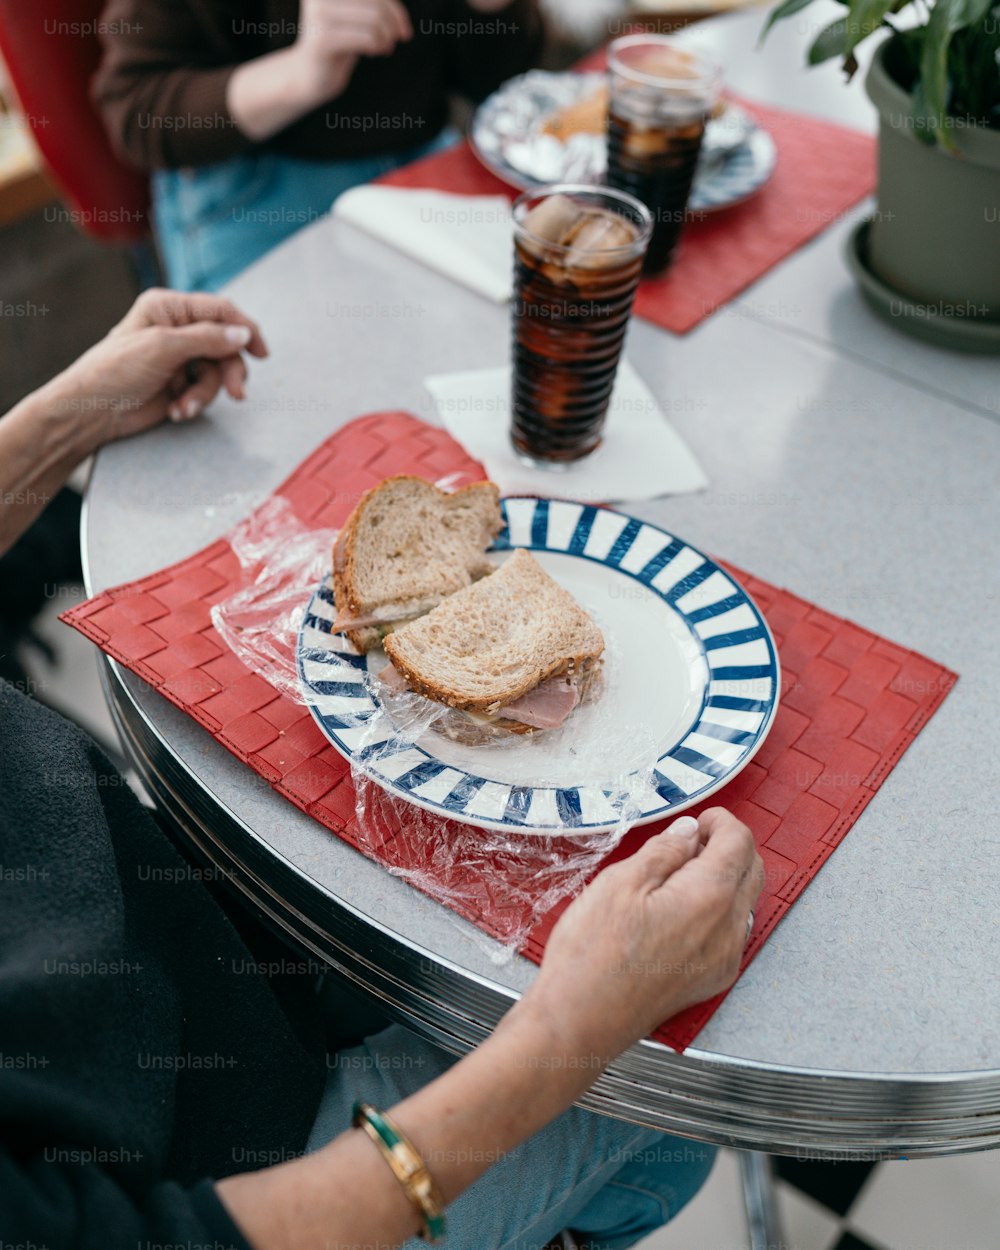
(192, 408)
(239, 336)
(683, 826)
(174, 413)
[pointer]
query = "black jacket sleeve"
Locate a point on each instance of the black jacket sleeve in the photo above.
(141, 1048)
(66, 1204)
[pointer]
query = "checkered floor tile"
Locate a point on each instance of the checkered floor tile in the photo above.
(926, 1204)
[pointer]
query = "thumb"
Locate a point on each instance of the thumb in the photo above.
(666, 852)
(208, 339)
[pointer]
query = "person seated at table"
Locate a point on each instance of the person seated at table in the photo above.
(158, 1087)
(253, 118)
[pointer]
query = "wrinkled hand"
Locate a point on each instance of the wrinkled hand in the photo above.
(333, 34)
(653, 934)
(169, 356)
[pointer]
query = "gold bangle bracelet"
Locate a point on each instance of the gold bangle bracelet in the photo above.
(407, 1166)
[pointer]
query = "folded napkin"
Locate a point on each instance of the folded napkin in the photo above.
(641, 456)
(466, 237)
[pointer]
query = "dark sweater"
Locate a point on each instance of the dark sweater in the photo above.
(138, 1054)
(162, 84)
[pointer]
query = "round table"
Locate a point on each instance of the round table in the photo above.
(846, 462)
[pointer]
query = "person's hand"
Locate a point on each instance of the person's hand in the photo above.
(273, 91)
(333, 34)
(168, 357)
(657, 932)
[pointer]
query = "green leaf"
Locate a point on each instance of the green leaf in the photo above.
(829, 42)
(786, 9)
(925, 122)
(962, 13)
(947, 17)
(865, 16)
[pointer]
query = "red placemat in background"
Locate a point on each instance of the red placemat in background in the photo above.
(822, 171)
(851, 702)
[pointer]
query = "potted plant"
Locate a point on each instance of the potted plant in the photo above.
(930, 256)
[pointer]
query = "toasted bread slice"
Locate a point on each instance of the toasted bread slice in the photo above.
(491, 643)
(408, 545)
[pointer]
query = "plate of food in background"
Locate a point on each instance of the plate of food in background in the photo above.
(543, 127)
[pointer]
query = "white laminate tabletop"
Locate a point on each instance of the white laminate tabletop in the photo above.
(854, 466)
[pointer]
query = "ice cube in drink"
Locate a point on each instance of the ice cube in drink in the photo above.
(551, 220)
(596, 240)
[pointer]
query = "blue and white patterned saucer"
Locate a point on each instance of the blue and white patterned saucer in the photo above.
(738, 157)
(689, 694)
(737, 176)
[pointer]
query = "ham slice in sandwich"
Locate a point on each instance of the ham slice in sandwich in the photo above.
(513, 652)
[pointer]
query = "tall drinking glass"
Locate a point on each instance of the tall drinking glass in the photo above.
(662, 95)
(578, 254)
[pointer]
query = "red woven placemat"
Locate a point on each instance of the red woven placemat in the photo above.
(851, 701)
(822, 171)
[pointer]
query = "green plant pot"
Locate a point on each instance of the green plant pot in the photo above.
(935, 237)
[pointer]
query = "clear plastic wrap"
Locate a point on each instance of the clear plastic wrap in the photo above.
(282, 563)
(507, 877)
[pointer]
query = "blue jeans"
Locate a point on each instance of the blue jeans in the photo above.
(214, 221)
(613, 1183)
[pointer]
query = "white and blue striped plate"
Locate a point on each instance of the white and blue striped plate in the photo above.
(690, 688)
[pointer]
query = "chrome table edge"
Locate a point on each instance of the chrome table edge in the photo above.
(807, 1112)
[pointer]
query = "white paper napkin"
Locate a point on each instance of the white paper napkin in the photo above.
(466, 237)
(640, 457)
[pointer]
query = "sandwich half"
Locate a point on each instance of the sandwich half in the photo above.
(406, 547)
(514, 652)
